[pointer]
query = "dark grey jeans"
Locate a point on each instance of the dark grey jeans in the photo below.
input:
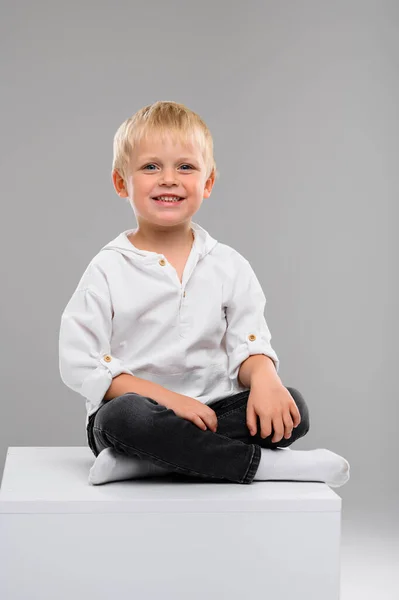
(138, 426)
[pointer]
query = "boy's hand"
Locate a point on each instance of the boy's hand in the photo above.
(193, 410)
(276, 408)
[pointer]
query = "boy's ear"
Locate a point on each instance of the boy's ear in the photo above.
(209, 185)
(119, 184)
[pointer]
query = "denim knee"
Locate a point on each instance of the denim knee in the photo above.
(127, 412)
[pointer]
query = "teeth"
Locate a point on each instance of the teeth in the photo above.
(168, 198)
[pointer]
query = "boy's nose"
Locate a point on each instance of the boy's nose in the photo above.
(168, 177)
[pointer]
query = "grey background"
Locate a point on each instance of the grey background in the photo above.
(302, 101)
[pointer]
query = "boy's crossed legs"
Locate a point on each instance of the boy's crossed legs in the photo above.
(133, 436)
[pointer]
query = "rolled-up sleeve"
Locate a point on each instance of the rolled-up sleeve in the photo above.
(247, 332)
(85, 361)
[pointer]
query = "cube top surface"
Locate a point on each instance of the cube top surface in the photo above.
(55, 480)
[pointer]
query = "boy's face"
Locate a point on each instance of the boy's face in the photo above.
(158, 167)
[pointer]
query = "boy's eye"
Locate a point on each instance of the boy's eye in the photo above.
(152, 164)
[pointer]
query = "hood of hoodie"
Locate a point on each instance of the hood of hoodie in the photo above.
(202, 245)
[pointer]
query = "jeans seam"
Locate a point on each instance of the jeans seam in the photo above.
(233, 407)
(249, 464)
(253, 465)
(226, 414)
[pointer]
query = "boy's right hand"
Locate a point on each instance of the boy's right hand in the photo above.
(193, 410)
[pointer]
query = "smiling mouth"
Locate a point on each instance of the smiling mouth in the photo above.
(168, 202)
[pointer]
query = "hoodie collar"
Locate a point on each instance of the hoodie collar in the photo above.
(203, 244)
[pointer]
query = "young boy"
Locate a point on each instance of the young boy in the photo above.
(165, 334)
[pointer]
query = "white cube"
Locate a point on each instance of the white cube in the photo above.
(160, 538)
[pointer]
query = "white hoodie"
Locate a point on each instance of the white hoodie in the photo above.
(130, 314)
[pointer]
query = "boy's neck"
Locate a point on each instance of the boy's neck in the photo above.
(163, 239)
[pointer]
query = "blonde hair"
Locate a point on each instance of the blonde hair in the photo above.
(162, 118)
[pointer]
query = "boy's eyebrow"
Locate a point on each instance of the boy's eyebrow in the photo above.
(157, 158)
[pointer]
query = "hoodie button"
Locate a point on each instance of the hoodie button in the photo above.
(162, 262)
(252, 337)
(107, 358)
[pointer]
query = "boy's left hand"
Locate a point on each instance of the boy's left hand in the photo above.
(276, 408)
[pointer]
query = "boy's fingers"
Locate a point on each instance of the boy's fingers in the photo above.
(288, 425)
(211, 420)
(265, 425)
(296, 415)
(251, 419)
(278, 426)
